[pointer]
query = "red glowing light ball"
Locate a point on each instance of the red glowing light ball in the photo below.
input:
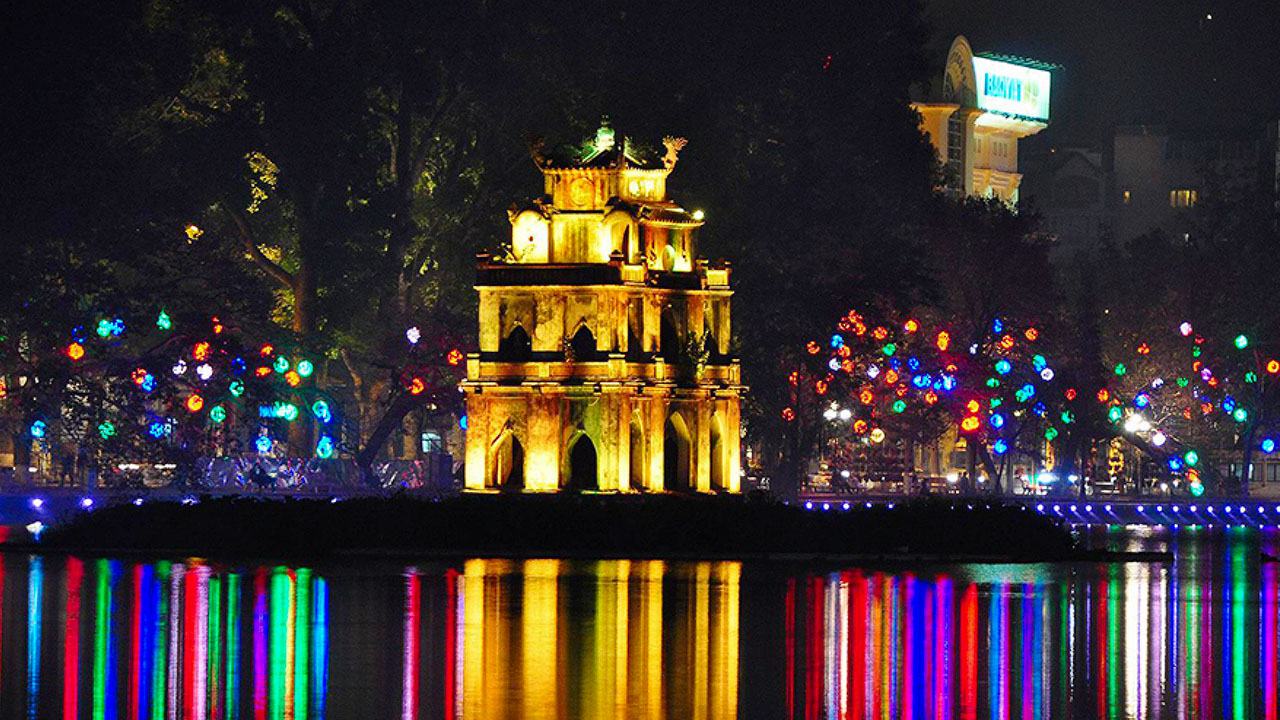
(969, 424)
(1032, 334)
(293, 378)
(812, 347)
(1103, 395)
(454, 357)
(195, 403)
(911, 326)
(972, 406)
(262, 371)
(266, 350)
(417, 386)
(75, 351)
(820, 387)
(1070, 394)
(788, 414)
(944, 340)
(200, 351)
(1273, 366)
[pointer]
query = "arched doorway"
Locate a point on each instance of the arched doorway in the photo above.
(718, 469)
(584, 473)
(676, 465)
(506, 463)
(516, 346)
(639, 478)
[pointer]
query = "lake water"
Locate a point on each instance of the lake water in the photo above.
(84, 637)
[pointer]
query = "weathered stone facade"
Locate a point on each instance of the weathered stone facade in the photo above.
(604, 359)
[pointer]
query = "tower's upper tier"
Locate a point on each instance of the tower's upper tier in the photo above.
(606, 197)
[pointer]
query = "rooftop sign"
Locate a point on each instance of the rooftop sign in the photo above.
(1012, 89)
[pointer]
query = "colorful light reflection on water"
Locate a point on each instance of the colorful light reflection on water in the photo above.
(104, 638)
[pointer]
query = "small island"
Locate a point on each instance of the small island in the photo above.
(572, 525)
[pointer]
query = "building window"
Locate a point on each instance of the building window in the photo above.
(1182, 198)
(1127, 197)
(432, 443)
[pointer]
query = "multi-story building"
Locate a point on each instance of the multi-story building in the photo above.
(987, 102)
(1068, 187)
(604, 360)
(1158, 175)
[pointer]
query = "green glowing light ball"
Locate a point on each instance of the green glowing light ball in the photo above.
(1242, 342)
(1192, 457)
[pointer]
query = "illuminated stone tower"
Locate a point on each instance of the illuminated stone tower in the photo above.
(604, 358)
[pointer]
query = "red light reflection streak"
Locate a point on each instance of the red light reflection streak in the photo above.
(133, 708)
(907, 668)
(1270, 611)
(789, 640)
(412, 608)
(450, 644)
(813, 649)
(969, 653)
(857, 646)
(71, 642)
(260, 620)
(190, 589)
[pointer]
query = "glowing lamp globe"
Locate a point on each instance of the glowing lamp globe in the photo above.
(39, 429)
(1242, 342)
(877, 435)
(1268, 446)
(1185, 329)
(324, 448)
(195, 403)
(305, 368)
(1191, 458)
(413, 335)
(75, 351)
(262, 444)
(217, 413)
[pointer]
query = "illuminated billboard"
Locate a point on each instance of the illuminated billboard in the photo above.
(1012, 89)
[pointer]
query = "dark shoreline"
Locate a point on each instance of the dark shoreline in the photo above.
(574, 526)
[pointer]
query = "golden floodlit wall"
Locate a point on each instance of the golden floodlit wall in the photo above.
(604, 360)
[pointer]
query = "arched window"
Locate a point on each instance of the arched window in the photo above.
(516, 346)
(583, 469)
(583, 345)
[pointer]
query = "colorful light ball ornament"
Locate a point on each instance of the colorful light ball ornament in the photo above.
(106, 430)
(179, 368)
(1191, 457)
(236, 388)
(281, 365)
(1185, 328)
(324, 448)
(1000, 447)
(75, 351)
(292, 378)
(217, 414)
(877, 436)
(454, 357)
(1268, 446)
(200, 351)
(263, 444)
(943, 341)
(158, 429)
(969, 424)
(1240, 415)
(413, 335)
(1046, 374)
(195, 403)
(204, 371)
(1158, 439)
(305, 368)
(1004, 367)
(1241, 342)
(163, 321)
(417, 386)
(320, 409)
(38, 429)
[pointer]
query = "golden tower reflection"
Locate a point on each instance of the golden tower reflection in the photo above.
(649, 642)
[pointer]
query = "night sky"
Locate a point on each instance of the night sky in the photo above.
(1132, 61)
